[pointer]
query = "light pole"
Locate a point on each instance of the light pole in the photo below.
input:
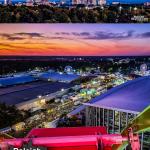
(130, 8)
(135, 9)
(120, 8)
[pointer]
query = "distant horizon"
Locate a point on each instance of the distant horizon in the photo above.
(74, 40)
(73, 56)
(108, 1)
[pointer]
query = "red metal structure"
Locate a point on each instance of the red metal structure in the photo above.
(74, 131)
(81, 138)
(134, 139)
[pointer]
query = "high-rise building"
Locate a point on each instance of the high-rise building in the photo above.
(7, 2)
(91, 2)
(101, 2)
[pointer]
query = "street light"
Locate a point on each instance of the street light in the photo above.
(135, 8)
(62, 90)
(102, 7)
(120, 8)
(130, 8)
(39, 96)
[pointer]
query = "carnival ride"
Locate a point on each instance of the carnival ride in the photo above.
(83, 138)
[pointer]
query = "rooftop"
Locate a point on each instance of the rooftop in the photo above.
(133, 96)
(59, 77)
(16, 80)
(14, 95)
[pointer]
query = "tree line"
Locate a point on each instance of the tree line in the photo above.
(49, 14)
(10, 115)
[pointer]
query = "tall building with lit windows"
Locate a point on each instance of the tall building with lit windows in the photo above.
(101, 2)
(119, 105)
(6, 2)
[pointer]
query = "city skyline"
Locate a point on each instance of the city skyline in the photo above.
(74, 39)
(108, 1)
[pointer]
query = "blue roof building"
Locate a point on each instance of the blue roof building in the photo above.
(119, 105)
(132, 96)
(16, 80)
(54, 76)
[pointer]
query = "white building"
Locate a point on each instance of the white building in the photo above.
(101, 2)
(6, 2)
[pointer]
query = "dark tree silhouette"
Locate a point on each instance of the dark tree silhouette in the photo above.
(78, 14)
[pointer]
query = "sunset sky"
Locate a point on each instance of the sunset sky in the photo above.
(75, 39)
